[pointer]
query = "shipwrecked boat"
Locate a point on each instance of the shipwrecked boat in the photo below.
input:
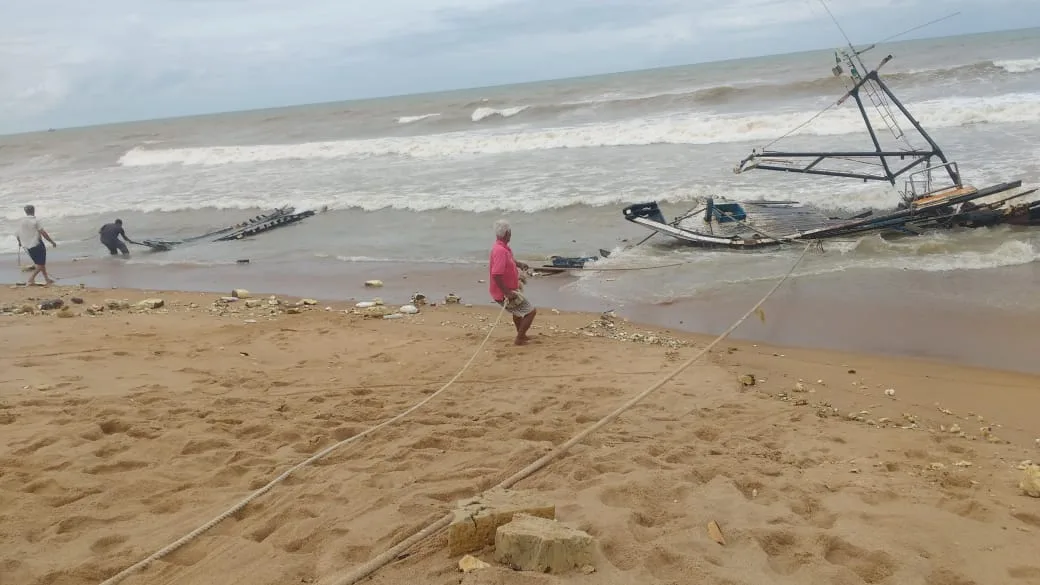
(565, 263)
(262, 223)
(929, 201)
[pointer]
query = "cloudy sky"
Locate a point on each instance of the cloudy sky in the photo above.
(77, 62)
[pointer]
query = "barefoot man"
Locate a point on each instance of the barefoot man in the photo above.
(30, 236)
(505, 282)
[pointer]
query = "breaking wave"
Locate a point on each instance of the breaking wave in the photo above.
(485, 113)
(410, 119)
(748, 91)
(1019, 65)
(687, 128)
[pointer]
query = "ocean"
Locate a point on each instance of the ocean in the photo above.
(419, 180)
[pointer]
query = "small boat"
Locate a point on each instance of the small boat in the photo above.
(928, 202)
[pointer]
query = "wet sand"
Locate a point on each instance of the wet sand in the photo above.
(913, 314)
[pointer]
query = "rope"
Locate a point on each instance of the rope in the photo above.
(805, 123)
(208, 525)
(394, 552)
(620, 268)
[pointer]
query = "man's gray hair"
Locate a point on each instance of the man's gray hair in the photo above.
(502, 228)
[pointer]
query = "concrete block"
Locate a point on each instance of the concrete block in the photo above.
(529, 543)
(477, 519)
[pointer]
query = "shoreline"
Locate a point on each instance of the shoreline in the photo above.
(832, 312)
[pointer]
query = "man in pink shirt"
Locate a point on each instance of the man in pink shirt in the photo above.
(505, 282)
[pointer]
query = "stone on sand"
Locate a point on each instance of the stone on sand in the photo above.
(240, 293)
(51, 304)
(1030, 484)
(151, 304)
(117, 304)
(477, 519)
(377, 311)
(470, 563)
(530, 543)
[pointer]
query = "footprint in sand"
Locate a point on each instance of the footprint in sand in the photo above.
(870, 566)
(107, 543)
(36, 446)
(1031, 519)
(814, 512)
(544, 435)
(1030, 573)
(195, 447)
(784, 549)
(189, 554)
(111, 427)
(947, 577)
(117, 467)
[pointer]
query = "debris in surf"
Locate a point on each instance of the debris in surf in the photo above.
(558, 264)
(262, 223)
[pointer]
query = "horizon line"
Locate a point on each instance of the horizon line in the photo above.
(485, 87)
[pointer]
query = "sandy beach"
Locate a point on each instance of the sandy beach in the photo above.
(126, 429)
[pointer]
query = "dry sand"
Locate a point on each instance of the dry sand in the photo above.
(124, 431)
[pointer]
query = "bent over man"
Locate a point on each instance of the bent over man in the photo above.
(109, 235)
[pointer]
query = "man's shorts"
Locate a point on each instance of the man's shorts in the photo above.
(115, 246)
(38, 254)
(522, 309)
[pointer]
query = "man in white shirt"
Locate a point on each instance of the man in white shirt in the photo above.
(30, 236)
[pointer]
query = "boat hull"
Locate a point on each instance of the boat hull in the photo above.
(761, 224)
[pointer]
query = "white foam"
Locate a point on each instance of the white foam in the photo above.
(704, 271)
(687, 128)
(410, 119)
(1019, 65)
(485, 113)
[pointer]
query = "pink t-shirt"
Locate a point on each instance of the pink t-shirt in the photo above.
(502, 264)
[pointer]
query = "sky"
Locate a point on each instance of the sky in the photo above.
(74, 63)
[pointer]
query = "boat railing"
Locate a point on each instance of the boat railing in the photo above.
(917, 187)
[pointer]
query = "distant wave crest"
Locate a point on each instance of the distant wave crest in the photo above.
(411, 119)
(1019, 65)
(484, 113)
(685, 128)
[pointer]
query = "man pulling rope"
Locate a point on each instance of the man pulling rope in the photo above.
(506, 282)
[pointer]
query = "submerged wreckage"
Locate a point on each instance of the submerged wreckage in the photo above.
(927, 203)
(264, 222)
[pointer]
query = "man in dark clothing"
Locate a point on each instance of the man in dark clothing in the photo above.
(110, 233)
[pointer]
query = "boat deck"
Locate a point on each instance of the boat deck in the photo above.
(764, 220)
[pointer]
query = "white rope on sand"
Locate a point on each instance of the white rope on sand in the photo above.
(166, 550)
(391, 554)
(394, 552)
